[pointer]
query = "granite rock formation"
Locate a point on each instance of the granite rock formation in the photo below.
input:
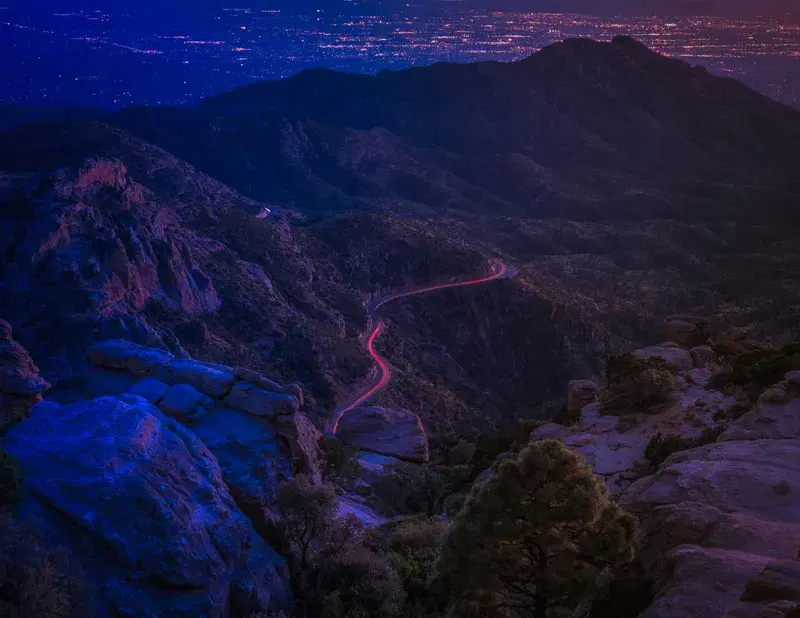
(141, 501)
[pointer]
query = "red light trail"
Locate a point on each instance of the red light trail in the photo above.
(497, 270)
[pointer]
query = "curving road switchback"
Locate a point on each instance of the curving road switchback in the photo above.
(497, 270)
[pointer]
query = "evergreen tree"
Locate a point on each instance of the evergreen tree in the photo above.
(536, 540)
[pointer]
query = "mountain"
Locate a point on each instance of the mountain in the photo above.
(624, 186)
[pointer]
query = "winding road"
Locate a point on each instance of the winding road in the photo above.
(375, 326)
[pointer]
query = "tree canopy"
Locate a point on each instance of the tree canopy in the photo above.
(540, 535)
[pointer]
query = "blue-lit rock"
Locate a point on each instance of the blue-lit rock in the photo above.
(211, 379)
(141, 501)
(125, 355)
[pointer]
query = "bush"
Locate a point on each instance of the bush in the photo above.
(341, 461)
(412, 546)
(10, 480)
(405, 489)
(756, 370)
(635, 385)
(660, 446)
(36, 580)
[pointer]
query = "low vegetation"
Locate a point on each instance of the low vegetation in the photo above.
(660, 446)
(755, 369)
(334, 573)
(634, 385)
(539, 537)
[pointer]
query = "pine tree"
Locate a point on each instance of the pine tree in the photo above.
(538, 537)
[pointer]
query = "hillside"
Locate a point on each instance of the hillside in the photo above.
(624, 187)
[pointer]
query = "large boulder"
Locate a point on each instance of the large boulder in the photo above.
(248, 397)
(209, 378)
(395, 433)
(150, 389)
(141, 502)
(124, 355)
(580, 393)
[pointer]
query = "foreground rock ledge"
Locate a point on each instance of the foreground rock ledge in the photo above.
(140, 500)
(720, 520)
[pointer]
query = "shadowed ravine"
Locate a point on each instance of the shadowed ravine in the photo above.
(375, 325)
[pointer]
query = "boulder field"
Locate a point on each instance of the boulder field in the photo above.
(159, 474)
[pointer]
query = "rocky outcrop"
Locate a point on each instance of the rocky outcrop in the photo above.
(141, 501)
(254, 400)
(185, 403)
(21, 386)
(209, 378)
(719, 520)
(687, 331)
(674, 357)
(125, 355)
(616, 449)
(395, 433)
(252, 457)
(303, 439)
(580, 393)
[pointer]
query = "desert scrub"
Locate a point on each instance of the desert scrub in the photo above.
(753, 371)
(660, 446)
(634, 385)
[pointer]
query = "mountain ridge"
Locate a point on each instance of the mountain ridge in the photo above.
(619, 205)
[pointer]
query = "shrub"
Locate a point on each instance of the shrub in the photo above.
(411, 545)
(660, 446)
(341, 461)
(756, 370)
(10, 480)
(635, 385)
(405, 489)
(534, 539)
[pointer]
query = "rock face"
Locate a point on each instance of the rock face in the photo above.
(252, 458)
(21, 386)
(127, 356)
(254, 400)
(717, 517)
(211, 379)
(303, 439)
(132, 492)
(395, 433)
(580, 393)
(686, 331)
